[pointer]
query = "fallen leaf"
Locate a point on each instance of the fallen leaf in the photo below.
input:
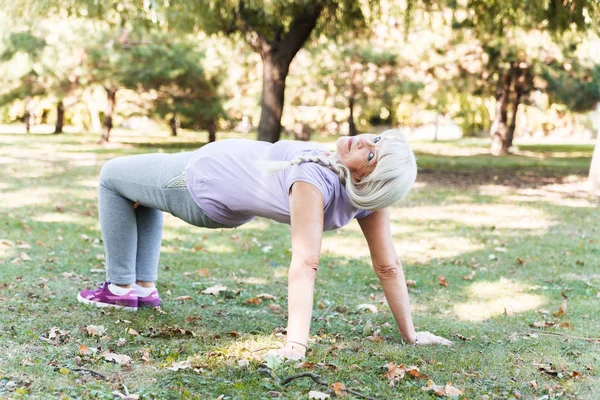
(132, 332)
(534, 385)
(542, 324)
(83, 349)
(576, 375)
(314, 394)
(64, 371)
(411, 283)
(368, 307)
(204, 272)
(442, 280)
(266, 296)
(24, 257)
(121, 342)
(182, 365)
(95, 330)
(253, 300)
(276, 308)
(469, 277)
(215, 290)
(443, 391)
(376, 337)
(565, 325)
(562, 310)
(520, 260)
(339, 389)
(306, 364)
(120, 359)
(396, 373)
(169, 331)
(234, 333)
(183, 298)
(463, 338)
(56, 336)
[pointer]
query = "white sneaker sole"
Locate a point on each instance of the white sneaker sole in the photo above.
(103, 305)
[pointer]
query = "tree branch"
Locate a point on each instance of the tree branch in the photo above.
(300, 30)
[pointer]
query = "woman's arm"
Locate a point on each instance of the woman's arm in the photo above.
(377, 231)
(306, 211)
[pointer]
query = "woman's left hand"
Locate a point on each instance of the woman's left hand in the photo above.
(289, 351)
(428, 338)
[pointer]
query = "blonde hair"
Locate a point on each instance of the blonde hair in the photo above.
(391, 180)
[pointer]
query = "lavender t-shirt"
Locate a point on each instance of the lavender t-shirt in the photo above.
(228, 184)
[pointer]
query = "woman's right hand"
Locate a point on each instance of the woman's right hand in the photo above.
(428, 338)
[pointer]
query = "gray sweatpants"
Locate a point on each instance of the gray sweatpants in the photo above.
(132, 194)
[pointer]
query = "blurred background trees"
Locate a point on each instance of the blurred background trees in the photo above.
(448, 68)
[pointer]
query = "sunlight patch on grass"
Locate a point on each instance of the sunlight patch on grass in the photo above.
(437, 247)
(506, 216)
(56, 217)
(253, 281)
(490, 299)
(27, 197)
(345, 246)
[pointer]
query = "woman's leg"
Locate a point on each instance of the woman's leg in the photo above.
(132, 196)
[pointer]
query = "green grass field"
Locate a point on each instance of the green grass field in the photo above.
(504, 254)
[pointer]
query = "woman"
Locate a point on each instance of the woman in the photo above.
(224, 185)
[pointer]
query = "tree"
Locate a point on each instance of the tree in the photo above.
(181, 90)
(496, 19)
(276, 30)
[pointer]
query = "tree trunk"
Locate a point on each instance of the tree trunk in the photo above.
(111, 96)
(499, 130)
(518, 80)
(352, 131)
(277, 54)
(274, 73)
(60, 117)
(29, 114)
(211, 127)
(173, 125)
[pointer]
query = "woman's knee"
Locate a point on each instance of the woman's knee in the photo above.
(110, 169)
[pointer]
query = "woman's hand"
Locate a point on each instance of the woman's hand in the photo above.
(428, 338)
(290, 351)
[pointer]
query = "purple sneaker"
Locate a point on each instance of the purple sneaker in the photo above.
(152, 300)
(103, 297)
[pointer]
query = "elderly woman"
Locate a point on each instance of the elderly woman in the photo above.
(227, 183)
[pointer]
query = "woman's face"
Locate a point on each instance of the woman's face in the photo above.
(359, 153)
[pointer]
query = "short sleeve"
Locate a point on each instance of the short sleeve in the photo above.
(363, 213)
(315, 175)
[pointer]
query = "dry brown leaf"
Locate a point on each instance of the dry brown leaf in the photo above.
(183, 298)
(442, 280)
(411, 283)
(253, 300)
(266, 296)
(339, 389)
(443, 391)
(306, 364)
(562, 310)
(534, 385)
(95, 330)
(520, 260)
(83, 349)
(576, 375)
(276, 308)
(565, 325)
(469, 277)
(132, 332)
(120, 359)
(463, 338)
(203, 272)
(56, 336)
(215, 290)
(542, 324)
(181, 365)
(234, 333)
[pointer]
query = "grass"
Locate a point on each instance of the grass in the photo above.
(512, 237)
